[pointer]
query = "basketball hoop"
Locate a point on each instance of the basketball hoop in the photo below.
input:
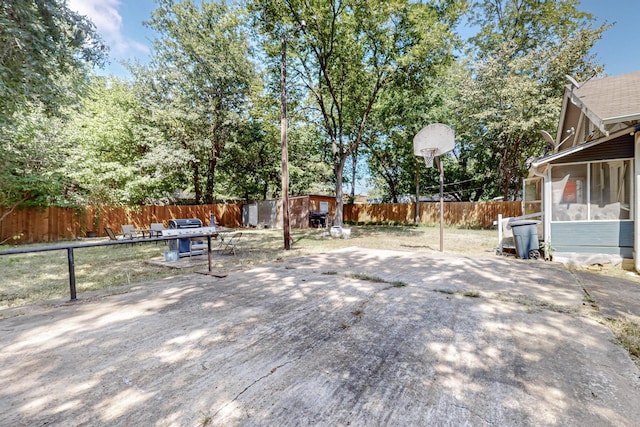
(433, 141)
(428, 154)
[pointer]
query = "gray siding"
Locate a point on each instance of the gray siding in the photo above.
(606, 237)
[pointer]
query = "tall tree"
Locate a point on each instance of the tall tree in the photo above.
(514, 88)
(347, 54)
(30, 155)
(201, 76)
(42, 41)
(410, 103)
(45, 49)
(110, 150)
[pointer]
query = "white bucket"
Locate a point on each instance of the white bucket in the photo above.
(170, 256)
(346, 233)
(335, 231)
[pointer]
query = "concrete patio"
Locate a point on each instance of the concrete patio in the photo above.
(353, 337)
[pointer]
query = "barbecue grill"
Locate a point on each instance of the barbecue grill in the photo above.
(185, 227)
(317, 219)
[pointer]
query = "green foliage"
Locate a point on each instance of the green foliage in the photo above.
(45, 49)
(29, 159)
(197, 87)
(514, 87)
(42, 41)
(402, 110)
(348, 53)
(198, 124)
(251, 162)
(105, 143)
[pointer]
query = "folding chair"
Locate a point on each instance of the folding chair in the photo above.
(129, 232)
(110, 233)
(156, 229)
(229, 244)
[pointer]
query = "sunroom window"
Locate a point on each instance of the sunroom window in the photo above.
(591, 191)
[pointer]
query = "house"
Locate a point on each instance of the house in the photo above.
(588, 186)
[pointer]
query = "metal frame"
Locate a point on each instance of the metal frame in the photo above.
(71, 247)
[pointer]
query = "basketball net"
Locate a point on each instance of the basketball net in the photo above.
(428, 154)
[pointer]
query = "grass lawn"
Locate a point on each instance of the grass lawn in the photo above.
(35, 277)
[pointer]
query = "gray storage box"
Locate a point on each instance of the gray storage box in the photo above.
(170, 255)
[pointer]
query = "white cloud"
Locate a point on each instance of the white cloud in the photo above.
(108, 21)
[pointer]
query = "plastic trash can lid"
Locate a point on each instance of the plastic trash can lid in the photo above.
(523, 222)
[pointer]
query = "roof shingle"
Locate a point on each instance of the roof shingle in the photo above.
(611, 97)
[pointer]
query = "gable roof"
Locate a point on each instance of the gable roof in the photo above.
(611, 104)
(608, 100)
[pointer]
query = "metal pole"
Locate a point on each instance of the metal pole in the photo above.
(285, 151)
(441, 169)
(209, 251)
(417, 193)
(72, 274)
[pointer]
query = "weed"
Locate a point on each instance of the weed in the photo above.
(445, 291)
(357, 312)
(471, 293)
(533, 305)
(546, 249)
(360, 276)
(206, 420)
(330, 273)
(375, 279)
(627, 333)
(344, 326)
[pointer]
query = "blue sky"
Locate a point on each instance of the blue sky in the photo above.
(616, 48)
(120, 24)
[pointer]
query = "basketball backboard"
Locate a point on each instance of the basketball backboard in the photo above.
(437, 137)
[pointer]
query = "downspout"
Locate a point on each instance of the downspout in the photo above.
(546, 202)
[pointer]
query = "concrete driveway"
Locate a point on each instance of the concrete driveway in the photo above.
(354, 337)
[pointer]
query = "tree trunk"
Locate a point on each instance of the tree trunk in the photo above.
(211, 171)
(210, 181)
(354, 164)
(338, 170)
(196, 182)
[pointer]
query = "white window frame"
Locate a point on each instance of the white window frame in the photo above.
(588, 189)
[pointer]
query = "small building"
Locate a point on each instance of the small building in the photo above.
(587, 188)
(302, 211)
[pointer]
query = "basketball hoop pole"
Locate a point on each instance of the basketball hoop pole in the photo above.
(417, 219)
(431, 142)
(441, 170)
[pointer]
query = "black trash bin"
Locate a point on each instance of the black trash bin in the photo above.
(525, 236)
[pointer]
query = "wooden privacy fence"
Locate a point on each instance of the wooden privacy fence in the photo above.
(466, 214)
(54, 224)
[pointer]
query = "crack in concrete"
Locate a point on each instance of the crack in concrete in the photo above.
(271, 372)
(360, 313)
(475, 414)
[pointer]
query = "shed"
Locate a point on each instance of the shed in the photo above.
(268, 213)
